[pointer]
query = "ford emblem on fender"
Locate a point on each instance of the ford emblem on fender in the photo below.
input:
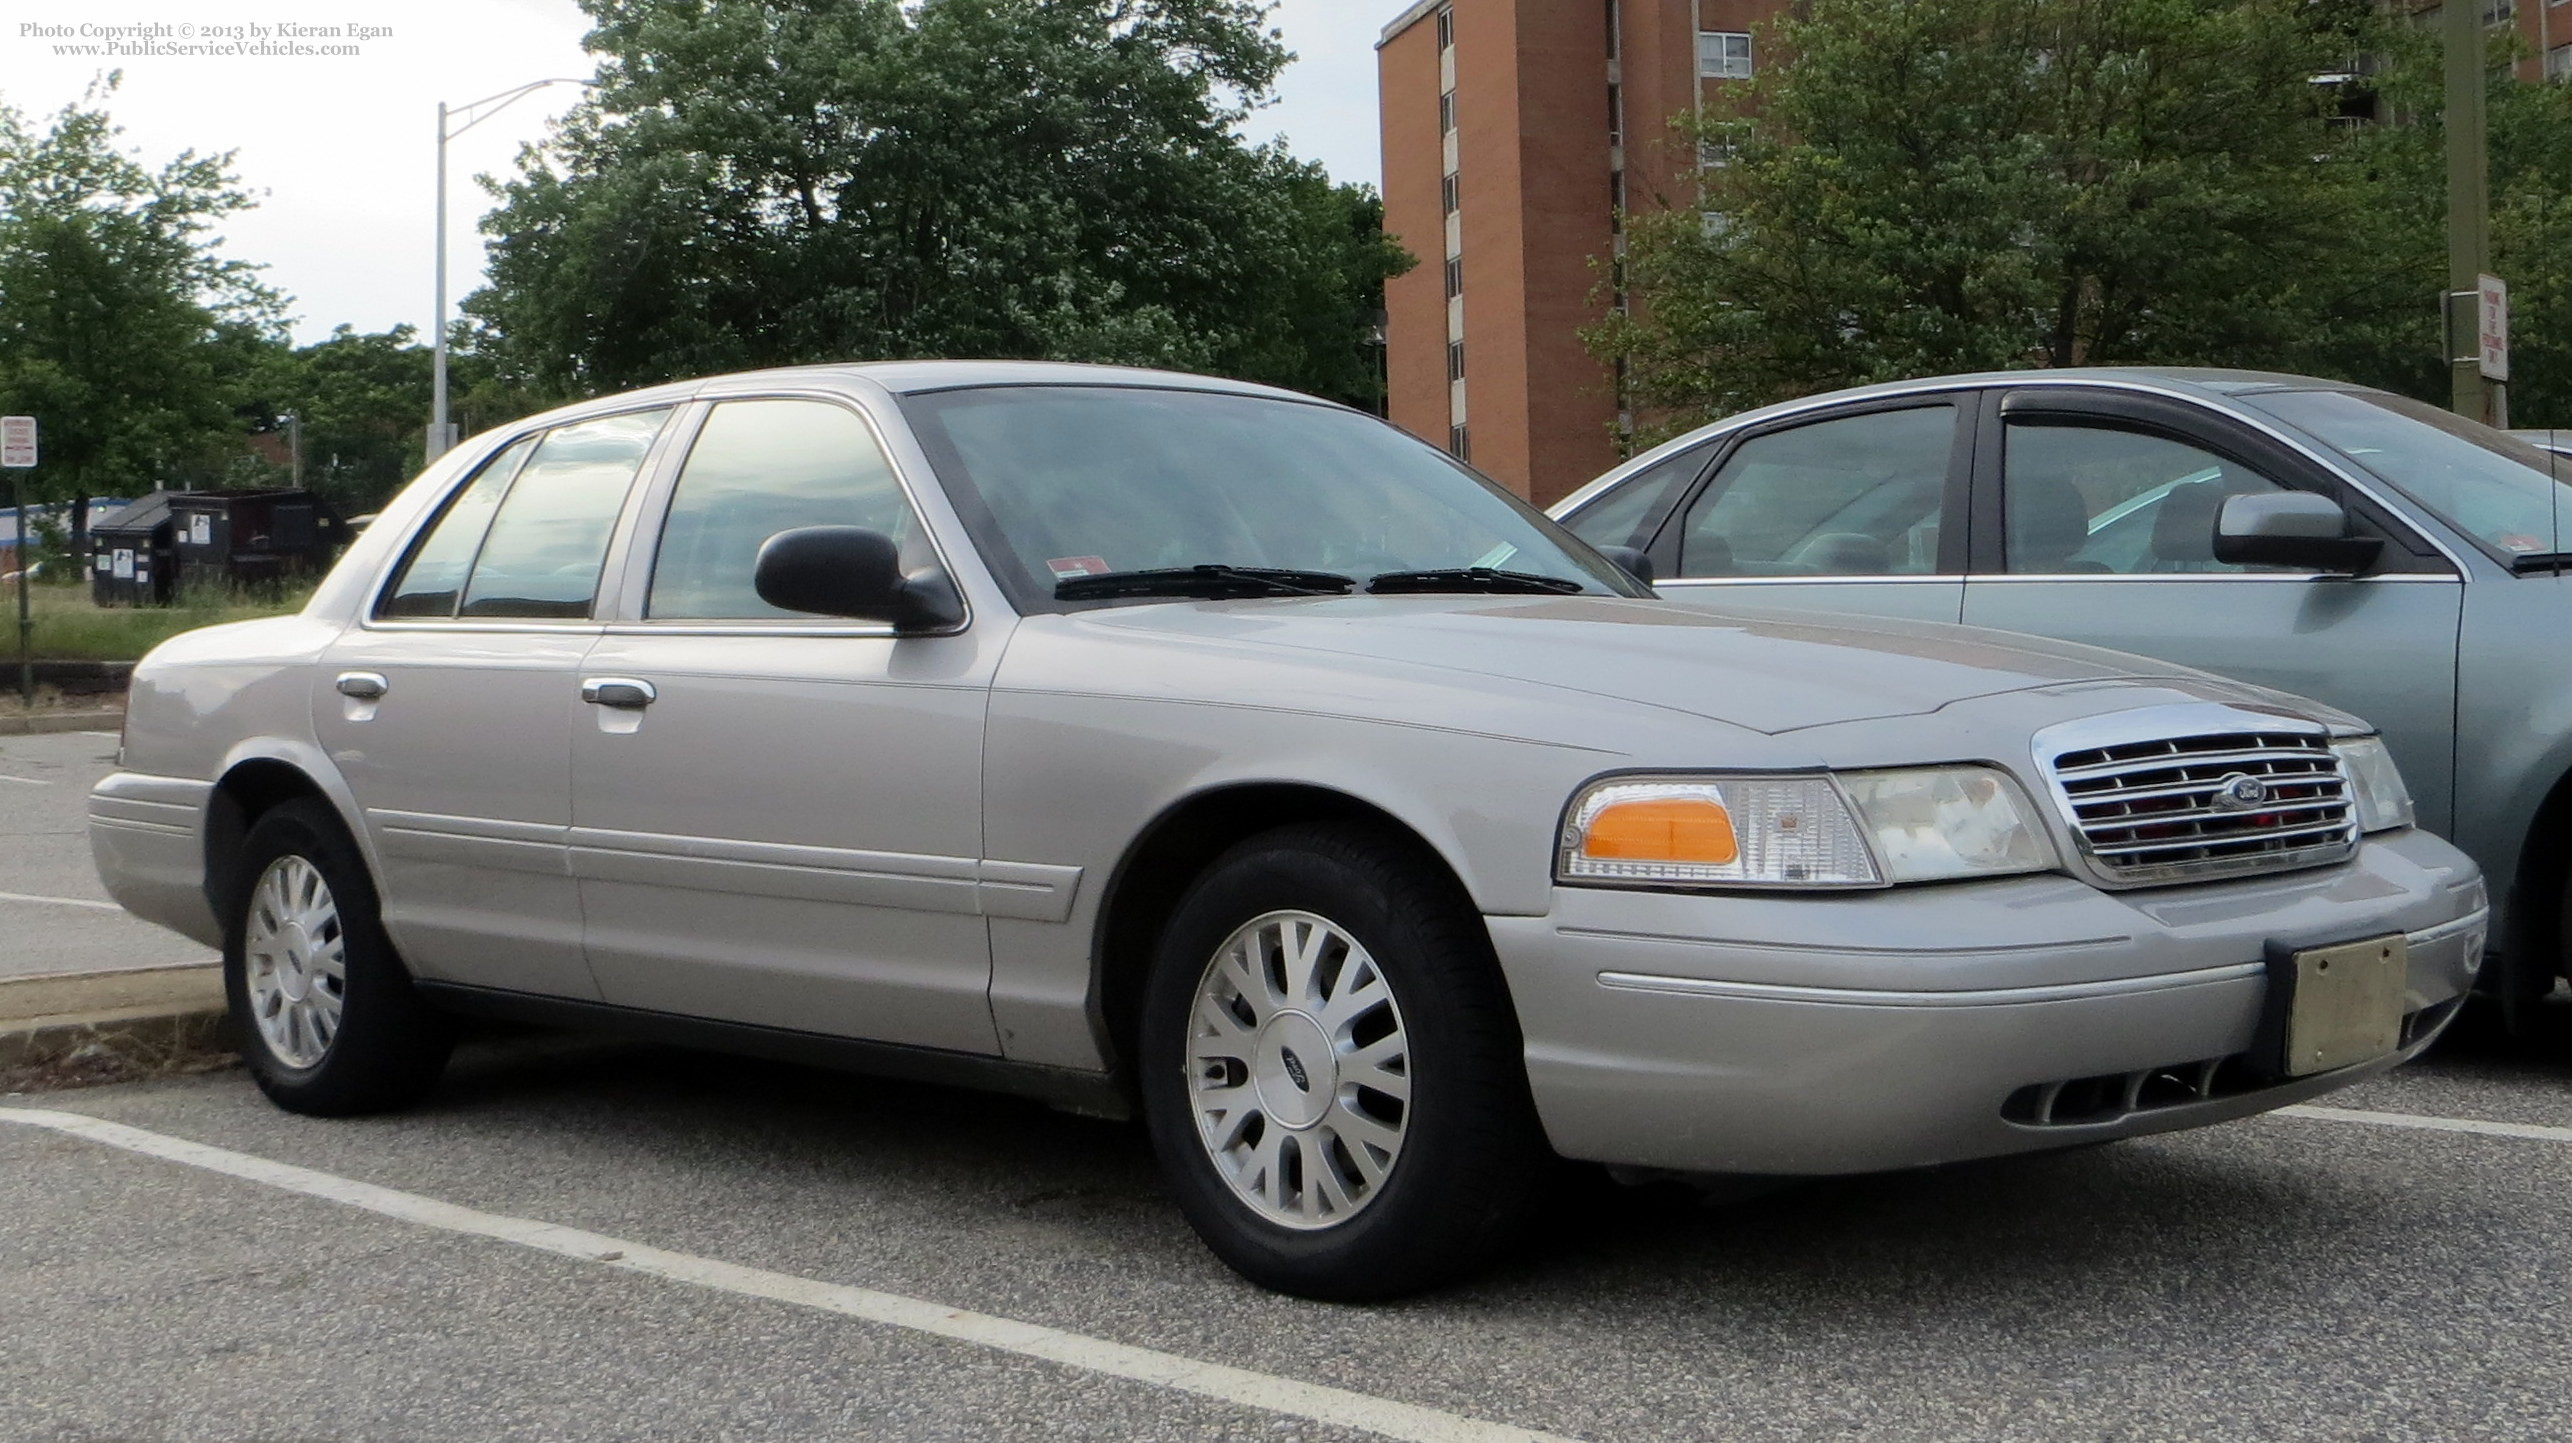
(2239, 792)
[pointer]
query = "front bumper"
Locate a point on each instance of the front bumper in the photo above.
(1836, 1033)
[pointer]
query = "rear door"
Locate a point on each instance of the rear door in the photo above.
(2096, 515)
(1854, 510)
(449, 709)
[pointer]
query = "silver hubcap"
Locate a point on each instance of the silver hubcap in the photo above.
(1299, 1070)
(295, 959)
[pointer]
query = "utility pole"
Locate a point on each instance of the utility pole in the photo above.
(2469, 228)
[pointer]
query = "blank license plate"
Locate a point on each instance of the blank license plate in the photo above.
(2347, 1004)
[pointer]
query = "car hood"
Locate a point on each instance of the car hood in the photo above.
(1765, 673)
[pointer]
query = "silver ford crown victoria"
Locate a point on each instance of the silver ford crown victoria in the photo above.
(1145, 742)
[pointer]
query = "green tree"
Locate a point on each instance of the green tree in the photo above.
(123, 330)
(1951, 185)
(776, 181)
(2382, 325)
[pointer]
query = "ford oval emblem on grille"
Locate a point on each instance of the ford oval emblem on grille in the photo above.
(2239, 792)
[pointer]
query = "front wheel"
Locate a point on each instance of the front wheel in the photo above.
(329, 1022)
(1332, 1071)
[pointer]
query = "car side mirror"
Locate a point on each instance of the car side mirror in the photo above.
(851, 571)
(1630, 560)
(2292, 528)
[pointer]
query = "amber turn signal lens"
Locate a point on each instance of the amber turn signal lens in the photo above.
(1663, 829)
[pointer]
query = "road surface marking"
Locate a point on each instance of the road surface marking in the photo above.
(2423, 1123)
(1335, 1406)
(59, 901)
(23, 781)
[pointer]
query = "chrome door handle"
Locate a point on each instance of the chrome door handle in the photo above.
(363, 685)
(625, 692)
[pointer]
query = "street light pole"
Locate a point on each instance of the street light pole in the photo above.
(2469, 232)
(441, 434)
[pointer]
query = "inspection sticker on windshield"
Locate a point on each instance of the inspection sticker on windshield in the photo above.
(1067, 567)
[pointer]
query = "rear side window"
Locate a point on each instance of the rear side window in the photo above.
(433, 579)
(758, 468)
(543, 555)
(1858, 495)
(1618, 518)
(528, 536)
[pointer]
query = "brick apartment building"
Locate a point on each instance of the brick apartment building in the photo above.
(1514, 133)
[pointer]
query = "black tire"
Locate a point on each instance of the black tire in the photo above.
(388, 1046)
(1472, 1162)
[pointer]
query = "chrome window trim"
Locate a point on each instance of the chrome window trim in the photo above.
(1939, 578)
(2215, 402)
(634, 593)
(2298, 577)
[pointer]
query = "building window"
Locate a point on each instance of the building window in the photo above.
(1716, 154)
(1723, 54)
(1455, 276)
(1456, 444)
(1447, 194)
(1446, 29)
(1455, 360)
(2558, 63)
(1447, 113)
(2499, 12)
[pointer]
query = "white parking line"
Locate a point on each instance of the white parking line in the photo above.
(59, 901)
(2419, 1122)
(1335, 1406)
(23, 781)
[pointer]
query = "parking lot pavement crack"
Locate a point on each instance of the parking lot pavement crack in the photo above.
(1384, 1417)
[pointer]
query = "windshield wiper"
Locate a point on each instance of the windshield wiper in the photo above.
(1471, 578)
(1213, 582)
(2527, 561)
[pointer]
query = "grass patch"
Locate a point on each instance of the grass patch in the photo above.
(69, 627)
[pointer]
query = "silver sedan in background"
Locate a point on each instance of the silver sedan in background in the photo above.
(1142, 742)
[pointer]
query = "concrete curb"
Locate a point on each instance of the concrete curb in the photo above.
(61, 721)
(110, 1026)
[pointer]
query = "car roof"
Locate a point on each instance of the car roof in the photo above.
(915, 377)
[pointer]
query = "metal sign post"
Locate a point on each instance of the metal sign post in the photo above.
(17, 453)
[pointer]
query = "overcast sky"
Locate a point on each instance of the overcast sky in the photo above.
(343, 151)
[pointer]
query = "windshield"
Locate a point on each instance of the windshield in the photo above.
(2491, 485)
(1063, 482)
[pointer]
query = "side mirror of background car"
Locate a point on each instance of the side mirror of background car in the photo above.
(1631, 561)
(851, 571)
(2291, 528)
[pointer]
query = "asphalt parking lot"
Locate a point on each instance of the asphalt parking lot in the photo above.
(54, 916)
(580, 1239)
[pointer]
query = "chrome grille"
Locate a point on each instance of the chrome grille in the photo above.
(2214, 805)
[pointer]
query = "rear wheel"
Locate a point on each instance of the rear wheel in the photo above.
(329, 1021)
(1331, 1069)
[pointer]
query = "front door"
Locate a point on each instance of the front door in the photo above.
(777, 818)
(2106, 536)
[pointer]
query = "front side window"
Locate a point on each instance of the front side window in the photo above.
(1854, 496)
(758, 468)
(1067, 481)
(2486, 483)
(2091, 500)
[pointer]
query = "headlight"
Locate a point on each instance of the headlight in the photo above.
(1933, 823)
(1854, 829)
(1741, 831)
(2375, 783)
